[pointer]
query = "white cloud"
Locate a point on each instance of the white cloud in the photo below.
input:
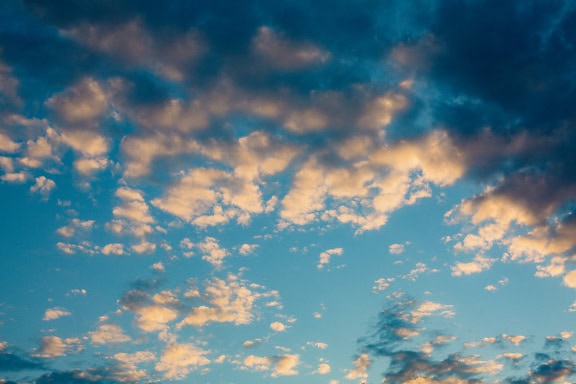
(212, 252)
(429, 308)
(516, 340)
(7, 145)
(55, 313)
(361, 365)
(570, 279)
(133, 206)
(82, 103)
(43, 186)
(323, 369)
(318, 345)
(479, 264)
(54, 346)
(382, 284)
(73, 226)
(285, 365)
(229, 300)
(277, 326)
(396, 249)
(326, 255)
(281, 365)
(178, 360)
(108, 334)
(113, 249)
(247, 249)
(158, 267)
(144, 247)
(15, 177)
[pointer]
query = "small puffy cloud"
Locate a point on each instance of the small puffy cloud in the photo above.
(278, 326)
(323, 369)
(318, 345)
(127, 370)
(212, 252)
(512, 356)
(281, 365)
(81, 103)
(7, 145)
(158, 267)
(326, 255)
(76, 292)
(43, 186)
(396, 249)
(285, 365)
(178, 360)
(429, 308)
(15, 177)
(133, 206)
(55, 313)
(491, 288)
(382, 284)
(113, 249)
(54, 346)
(73, 226)
(247, 249)
(144, 247)
(570, 279)
(107, 334)
(257, 363)
(251, 343)
(479, 264)
(227, 301)
(361, 365)
(516, 340)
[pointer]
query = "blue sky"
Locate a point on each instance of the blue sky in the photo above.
(330, 192)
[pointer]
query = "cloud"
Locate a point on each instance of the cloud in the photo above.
(396, 249)
(212, 252)
(382, 284)
(108, 334)
(178, 360)
(286, 54)
(326, 255)
(229, 301)
(281, 365)
(54, 346)
(74, 225)
(247, 249)
(82, 103)
(43, 186)
(153, 312)
(278, 326)
(14, 362)
(7, 145)
(113, 249)
(323, 369)
(55, 313)
(479, 264)
(361, 365)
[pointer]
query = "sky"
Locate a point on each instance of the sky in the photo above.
(287, 192)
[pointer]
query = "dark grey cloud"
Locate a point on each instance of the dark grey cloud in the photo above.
(14, 362)
(406, 361)
(96, 376)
